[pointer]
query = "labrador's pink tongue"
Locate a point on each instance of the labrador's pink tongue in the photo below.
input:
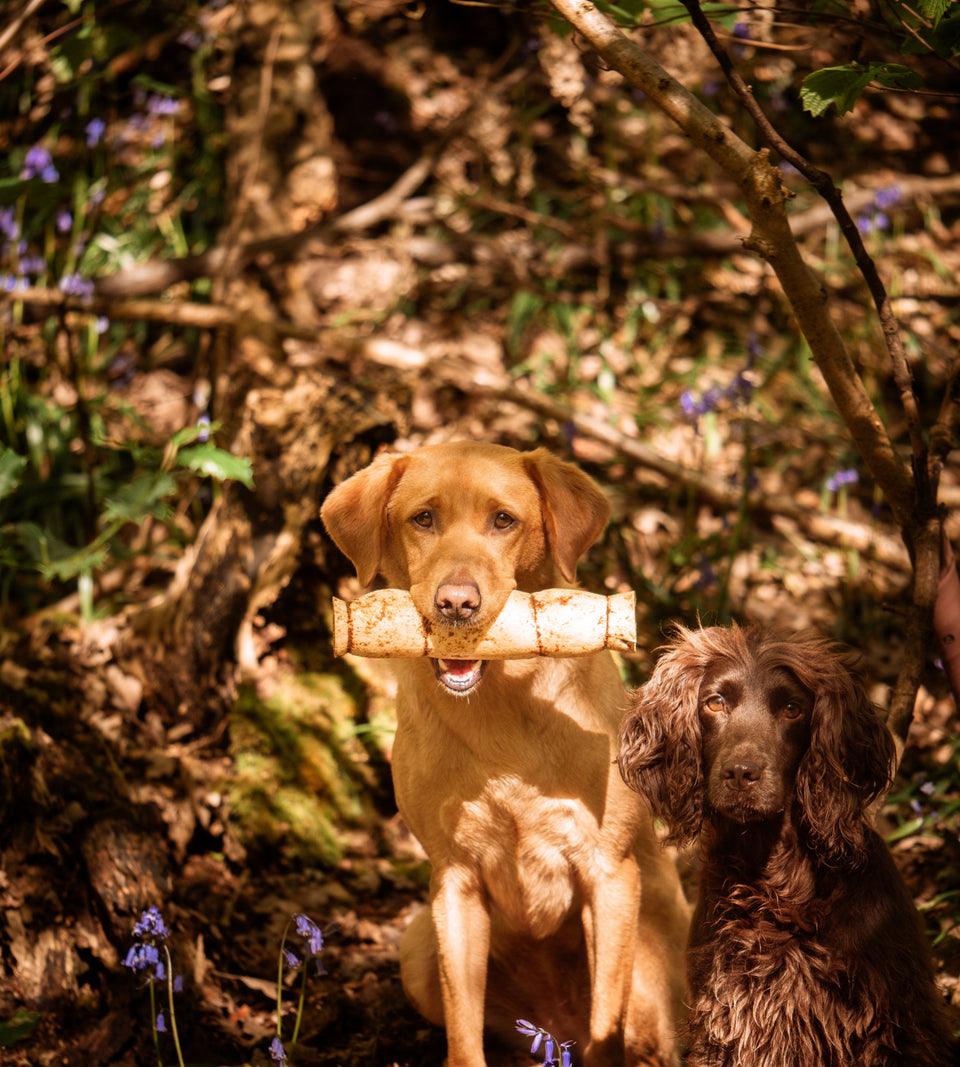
(458, 666)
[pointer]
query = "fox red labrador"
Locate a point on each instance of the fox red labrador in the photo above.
(550, 898)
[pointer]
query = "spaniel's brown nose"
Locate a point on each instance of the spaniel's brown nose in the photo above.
(743, 774)
(460, 600)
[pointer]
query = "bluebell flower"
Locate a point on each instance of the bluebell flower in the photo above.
(689, 404)
(549, 1047)
(142, 957)
(158, 140)
(161, 1023)
(97, 197)
(38, 163)
(566, 1057)
(74, 285)
(64, 220)
(916, 807)
(102, 324)
(928, 789)
(178, 983)
(310, 932)
(162, 105)
(741, 29)
(880, 221)
(9, 226)
(33, 264)
(277, 1053)
(190, 39)
(841, 478)
(11, 283)
(94, 131)
(710, 87)
(864, 223)
(151, 924)
(293, 960)
(888, 196)
(203, 425)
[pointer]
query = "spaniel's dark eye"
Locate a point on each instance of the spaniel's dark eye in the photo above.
(423, 519)
(792, 710)
(503, 520)
(714, 703)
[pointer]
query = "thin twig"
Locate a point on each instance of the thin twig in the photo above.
(824, 185)
(7, 35)
(172, 312)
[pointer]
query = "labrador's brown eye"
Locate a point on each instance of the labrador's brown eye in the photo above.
(423, 519)
(714, 703)
(503, 520)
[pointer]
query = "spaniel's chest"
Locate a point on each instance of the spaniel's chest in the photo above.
(770, 995)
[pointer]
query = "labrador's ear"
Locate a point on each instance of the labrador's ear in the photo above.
(575, 510)
(355, 513)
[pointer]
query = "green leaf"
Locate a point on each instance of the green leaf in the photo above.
(842, 86)
(934, 10)
(11, 468)
(908, 828)
(18, 1027)
(55, 559)
(189, 434)
(145, 495)
(217, 463)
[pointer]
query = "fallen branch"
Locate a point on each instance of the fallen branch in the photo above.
(155, 275)
(172, 312)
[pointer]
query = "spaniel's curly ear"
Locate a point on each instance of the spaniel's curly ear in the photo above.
(660, 751)
(849, 763)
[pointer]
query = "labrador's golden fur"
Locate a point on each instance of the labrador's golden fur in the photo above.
(550, 898)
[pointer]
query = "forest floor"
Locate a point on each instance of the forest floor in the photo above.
(564, 272)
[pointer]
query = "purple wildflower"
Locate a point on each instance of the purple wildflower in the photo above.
(102, 324)
(94, 131)
(786, 167)
(97, 197)
(864, 223)
(916, 807)
(64, 221)
(888, 196)
(277, 1053)
(753, 349)
(710, 87)
(190, 39)
(928, 789)
(33, 264)
(841, 478)
(293, 960)
(203, 425)
(741, 30)
(689, 404)
(178, 983)
(74, 285)
(161, 1023)
(162, 105)
(151, 924)
(880, 221)
(38, 163)
(310, 932)
(9, 226)
(158, 140)
(10, 283)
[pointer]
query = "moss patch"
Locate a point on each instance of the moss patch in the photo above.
(300, 775)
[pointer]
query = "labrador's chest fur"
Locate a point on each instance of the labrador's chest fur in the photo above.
(514, 784)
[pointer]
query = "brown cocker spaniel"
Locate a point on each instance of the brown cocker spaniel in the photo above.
(805, 948)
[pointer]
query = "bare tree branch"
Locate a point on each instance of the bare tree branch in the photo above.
(823, 183)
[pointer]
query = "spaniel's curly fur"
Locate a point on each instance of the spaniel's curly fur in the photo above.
(806, 949)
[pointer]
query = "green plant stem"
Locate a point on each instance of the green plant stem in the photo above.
(153, 1023)
(173, 1013)
(303, 997)
(283, 942)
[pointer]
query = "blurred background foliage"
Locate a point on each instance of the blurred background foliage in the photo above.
(561, 242)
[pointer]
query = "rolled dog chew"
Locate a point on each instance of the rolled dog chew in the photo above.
(552, 622)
